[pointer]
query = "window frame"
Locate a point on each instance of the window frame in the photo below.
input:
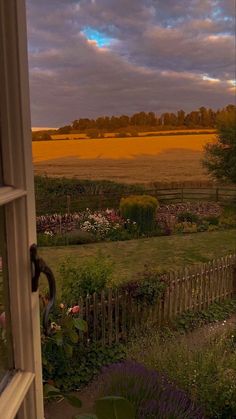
(23, 395)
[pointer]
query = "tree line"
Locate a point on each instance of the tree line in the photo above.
(140, 122)
(201, 118)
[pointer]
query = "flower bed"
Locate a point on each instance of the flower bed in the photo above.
(168, 216)
(88, 226)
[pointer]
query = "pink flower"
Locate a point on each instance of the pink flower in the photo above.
(75, 309)
(3, 320)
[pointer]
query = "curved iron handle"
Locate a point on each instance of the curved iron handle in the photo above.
(38, 267)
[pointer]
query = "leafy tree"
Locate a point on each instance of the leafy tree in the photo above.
(204, 117)
(64, 130)
(220, 156)
(181, 116)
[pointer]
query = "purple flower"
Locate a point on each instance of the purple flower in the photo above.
(152, 393)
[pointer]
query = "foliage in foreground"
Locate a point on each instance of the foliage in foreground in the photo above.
(106, 407)
(111, 408)
(218, 311)
(152, 394)
(205, 369)
(77, 368)
(88, 276)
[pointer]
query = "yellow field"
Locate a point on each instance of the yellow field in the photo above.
(136, 159)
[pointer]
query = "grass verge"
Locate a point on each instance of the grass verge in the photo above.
(129, 257)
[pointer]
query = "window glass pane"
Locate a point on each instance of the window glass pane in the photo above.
(6, 359)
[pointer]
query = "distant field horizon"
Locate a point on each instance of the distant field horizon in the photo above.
(138, 159)
(43, 128)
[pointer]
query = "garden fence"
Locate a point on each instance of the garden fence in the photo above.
(103, 200)
(112, 314)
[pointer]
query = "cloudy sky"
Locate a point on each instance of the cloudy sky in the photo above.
(90, 58)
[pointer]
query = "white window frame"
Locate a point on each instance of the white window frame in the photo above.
(23, 395)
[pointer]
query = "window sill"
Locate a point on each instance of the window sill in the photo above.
(14, 393)
(8, 194)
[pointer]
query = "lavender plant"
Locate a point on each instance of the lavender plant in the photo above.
(150, 392)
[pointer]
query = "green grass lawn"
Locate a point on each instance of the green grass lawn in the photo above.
(169, 252)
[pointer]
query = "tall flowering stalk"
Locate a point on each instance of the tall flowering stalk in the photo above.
(152, 394)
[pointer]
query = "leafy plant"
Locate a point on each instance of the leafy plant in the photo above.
(217, 311)
(51, 393)
(79, 279)
(111, 408)
(147, 287)
(84, 362)
(186, 227)
(189, 217)
(212, 220)
(64, 336)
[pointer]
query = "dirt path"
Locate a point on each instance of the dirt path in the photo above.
(204, 334)
(63, 410)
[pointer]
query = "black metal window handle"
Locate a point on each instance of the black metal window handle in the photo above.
(39, 266)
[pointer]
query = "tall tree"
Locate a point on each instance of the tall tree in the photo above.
(204, 117)
(181, 116)
(220, 156)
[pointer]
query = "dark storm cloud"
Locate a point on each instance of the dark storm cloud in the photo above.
(163, 55)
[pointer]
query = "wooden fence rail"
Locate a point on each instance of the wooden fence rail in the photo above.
(112, 314)
(72, 203)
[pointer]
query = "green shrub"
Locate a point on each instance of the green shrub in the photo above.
(71, 373)
(203, 226)
(215, 312)
(189, 217)
(87, 277)
(186, 227)
(228, 221)
(147, 287)
(140, 209)
(212, 220)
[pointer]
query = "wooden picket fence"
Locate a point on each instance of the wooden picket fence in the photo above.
(112, 314)
(164, 194)
(224, 194)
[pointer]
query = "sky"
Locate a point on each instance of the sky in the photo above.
(89, 58)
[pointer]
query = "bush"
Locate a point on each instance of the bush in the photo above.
(188, 217)
(150, 392)
(140, 209)
(214, 313)
(147, 287)
(87, 277)
(71, 373)
(228, 221)
(186, 227)
(212, 220)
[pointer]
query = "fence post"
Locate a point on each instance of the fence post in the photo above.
(68, 204)
(234, 280)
